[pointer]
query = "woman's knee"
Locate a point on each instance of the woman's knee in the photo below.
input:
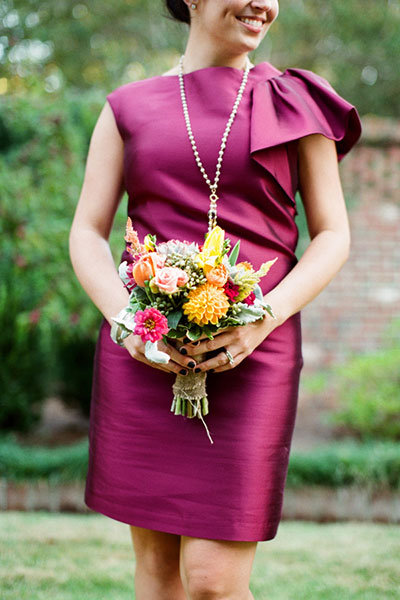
(156, 552)
(206, 584)
(212, 569)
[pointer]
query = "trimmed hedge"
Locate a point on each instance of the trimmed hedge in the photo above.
(375, 464)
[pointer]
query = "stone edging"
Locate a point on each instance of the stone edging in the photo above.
(314, 503)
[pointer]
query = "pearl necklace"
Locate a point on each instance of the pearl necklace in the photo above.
(212, 213)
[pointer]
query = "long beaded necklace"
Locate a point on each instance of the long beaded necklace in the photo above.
(212, 213)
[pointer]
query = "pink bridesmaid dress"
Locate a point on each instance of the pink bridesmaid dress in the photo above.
(148, 467)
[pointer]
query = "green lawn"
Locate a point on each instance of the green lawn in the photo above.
(90, 557)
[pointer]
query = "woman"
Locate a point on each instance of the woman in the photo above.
(196, 511)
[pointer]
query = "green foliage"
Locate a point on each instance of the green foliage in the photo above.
(65, 463)
(375, 464)
(48, 322)
(368, 391)
(61, 45)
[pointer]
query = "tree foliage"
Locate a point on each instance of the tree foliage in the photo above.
(78, 44)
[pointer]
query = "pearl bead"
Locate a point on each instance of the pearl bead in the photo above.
(212, 213)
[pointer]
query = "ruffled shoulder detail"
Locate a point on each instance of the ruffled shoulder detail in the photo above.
(289, 106)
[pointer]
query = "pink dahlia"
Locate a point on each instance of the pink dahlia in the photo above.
(151, 325)
(250, 299)
(231, 290)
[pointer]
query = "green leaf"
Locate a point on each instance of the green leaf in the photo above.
(249, 314)
(268, 308)
(174, 318)
(234, 254)
(148, 291)
(194, 333)
(258, 292)
(140, 295)
(208, 330)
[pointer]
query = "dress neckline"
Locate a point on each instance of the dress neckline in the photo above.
(215, 68)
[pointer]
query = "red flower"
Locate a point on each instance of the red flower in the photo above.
(150, 324)
(231, 290)
(250, 299)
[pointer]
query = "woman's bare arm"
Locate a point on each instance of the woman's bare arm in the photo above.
(89, 249)
(100, 196)
(321, 192)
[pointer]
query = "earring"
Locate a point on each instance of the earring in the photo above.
(193, 6)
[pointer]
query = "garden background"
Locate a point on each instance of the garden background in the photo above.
(58, 60)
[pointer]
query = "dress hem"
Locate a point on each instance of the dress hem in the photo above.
(101, 506)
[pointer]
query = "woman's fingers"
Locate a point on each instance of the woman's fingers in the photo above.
(186, 362)
(206, 345)
(176, 364)
(220, 361)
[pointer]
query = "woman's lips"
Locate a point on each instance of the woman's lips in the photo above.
(251, 27)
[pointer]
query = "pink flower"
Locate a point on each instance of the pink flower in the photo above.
(151, 325)
(34, 315)
(20, 260)
(183, 277)
(231, 290)
(132, 283)
(250, 299)
(168, 279)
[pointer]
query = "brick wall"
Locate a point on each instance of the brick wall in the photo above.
(353, 311)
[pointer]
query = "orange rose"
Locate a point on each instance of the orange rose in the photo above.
(218, 275)
(145, 268)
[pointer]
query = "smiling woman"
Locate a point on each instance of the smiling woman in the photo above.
(196, 511)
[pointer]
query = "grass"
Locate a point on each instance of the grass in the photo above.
(65, 557)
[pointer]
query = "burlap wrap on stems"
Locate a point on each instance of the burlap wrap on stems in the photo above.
(190, 393)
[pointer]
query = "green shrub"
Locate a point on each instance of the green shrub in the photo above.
(47, 319)
(375, 464)
(368, 392)
(65, 463)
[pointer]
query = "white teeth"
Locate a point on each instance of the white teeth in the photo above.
(252, 22)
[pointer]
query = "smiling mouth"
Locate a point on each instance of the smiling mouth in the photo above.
(254, 24)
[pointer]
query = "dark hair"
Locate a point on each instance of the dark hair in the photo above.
(179, 10)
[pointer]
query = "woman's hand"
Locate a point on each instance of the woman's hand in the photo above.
(176, 364)
(239, 341)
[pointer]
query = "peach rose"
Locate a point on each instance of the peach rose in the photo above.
(147, 265)
(183, 277)
(218, 275)
(168, 279)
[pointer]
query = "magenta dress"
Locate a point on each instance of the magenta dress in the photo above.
(148, 467)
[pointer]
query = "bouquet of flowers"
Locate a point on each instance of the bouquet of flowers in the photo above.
(181, 290)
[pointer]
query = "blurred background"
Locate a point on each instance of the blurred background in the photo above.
(58, 60)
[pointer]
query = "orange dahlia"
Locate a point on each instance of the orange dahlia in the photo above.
(206, 304)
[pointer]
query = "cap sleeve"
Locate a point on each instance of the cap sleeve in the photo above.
(289, 106)
(116, 100)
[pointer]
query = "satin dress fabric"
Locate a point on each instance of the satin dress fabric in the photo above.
(147, 466)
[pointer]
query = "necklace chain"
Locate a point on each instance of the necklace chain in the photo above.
(212, 213)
